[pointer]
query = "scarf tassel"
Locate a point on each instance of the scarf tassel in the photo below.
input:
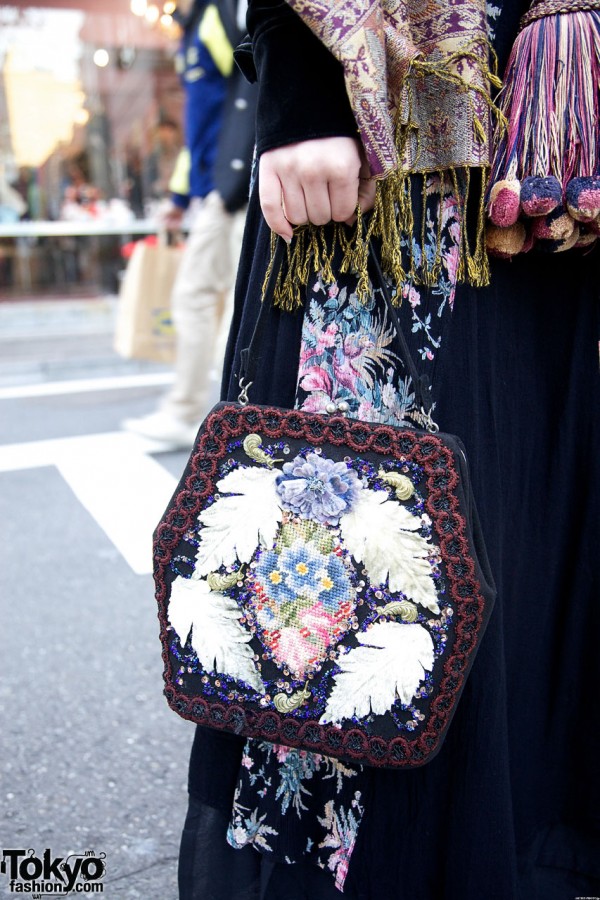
(406, 252)
(392, 224)
(544, 186)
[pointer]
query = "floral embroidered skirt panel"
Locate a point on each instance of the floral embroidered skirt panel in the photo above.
(508, 809)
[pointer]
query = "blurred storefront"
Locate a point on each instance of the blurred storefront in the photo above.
(90, 126)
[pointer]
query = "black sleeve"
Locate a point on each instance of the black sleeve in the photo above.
(301, 93)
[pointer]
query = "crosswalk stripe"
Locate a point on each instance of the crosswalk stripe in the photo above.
(121, 486)
(85, 385)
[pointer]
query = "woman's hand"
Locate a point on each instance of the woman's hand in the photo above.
(314, 181)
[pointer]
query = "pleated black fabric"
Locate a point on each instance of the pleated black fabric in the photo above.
(508, 809)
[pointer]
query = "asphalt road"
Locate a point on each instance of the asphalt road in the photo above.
(91, 758)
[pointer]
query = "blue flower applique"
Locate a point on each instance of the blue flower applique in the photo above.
(318, 488)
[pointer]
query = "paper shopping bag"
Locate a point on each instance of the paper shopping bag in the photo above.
(144, 328)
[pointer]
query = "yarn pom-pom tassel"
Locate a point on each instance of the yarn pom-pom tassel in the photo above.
(556, 226)
(507, 242)
(504, 202)
(559, 246)
(551, 103)
(586, 240)
(539, 196)
(594, 226)
(583, 198)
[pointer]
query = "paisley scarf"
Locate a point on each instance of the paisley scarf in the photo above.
(418, 68)
(417, 76)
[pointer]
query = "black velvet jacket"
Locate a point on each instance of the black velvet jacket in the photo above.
(301, 86)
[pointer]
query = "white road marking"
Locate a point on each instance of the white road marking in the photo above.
(84, 385)
(123, 488)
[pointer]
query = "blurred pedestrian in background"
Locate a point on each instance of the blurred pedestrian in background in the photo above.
(159, 166)
(210, 181)
(26, 185)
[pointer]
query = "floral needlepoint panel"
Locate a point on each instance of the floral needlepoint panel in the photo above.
(316, 584)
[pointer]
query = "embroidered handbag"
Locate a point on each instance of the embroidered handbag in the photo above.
(322, 582)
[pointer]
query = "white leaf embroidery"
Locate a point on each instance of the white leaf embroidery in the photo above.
(235, 525)
(389, 665)
(383, 535)
(218, 637)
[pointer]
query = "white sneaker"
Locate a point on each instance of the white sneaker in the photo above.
(166, 429)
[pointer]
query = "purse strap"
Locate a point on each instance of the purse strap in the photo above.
(250, 358)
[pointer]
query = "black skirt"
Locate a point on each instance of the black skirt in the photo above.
(509, 807)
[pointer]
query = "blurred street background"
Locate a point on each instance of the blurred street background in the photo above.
(91, 758)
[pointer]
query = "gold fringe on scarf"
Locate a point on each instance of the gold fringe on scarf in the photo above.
(435, 122)
(313, 247)
(392, 221)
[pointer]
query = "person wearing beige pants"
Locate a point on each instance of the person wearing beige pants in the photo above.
(211, 179)
(202, 306)
(202, 303)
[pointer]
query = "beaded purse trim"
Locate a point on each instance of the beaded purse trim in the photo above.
(316, 585)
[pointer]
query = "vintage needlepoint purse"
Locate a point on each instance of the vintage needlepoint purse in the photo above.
(322, 582)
